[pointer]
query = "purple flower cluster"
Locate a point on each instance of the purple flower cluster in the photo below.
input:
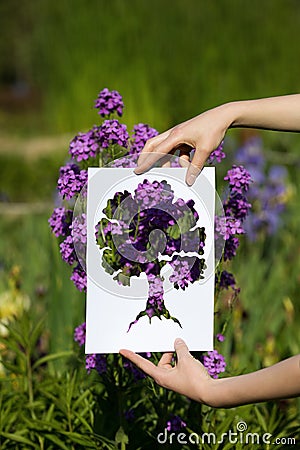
(140, 135)
(113, 132)
(226, 280)
(60, 221)
(93, 361)
(239, 179)
(79, 278)
(148, 195)
(97, 362)
(67, 251)
(85, 145)
(126, 162)
(236, 208)
(268, 193)
(186, 270)
(148, 224)
(214, 363)
(80, 333)
(217, 155)
(71, 180)
(175, 423)
(220, 337)
(78, 229)
(228, 226)
(136, 373)
(109, 102)
(74, 243)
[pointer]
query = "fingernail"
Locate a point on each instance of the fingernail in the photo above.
(190, 179)
(178, 341)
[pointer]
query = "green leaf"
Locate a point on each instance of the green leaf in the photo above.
(84, 422)
(36, 332)
(261, 419)
(51, 357)
(17, 438)
(119, 151)
(121, 437)
(9, 343)
(53, 438)
(123, 279)
(79, 439)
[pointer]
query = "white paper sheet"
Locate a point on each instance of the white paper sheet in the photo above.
(111, 307)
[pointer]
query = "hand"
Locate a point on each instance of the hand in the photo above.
(188, 377)
(204, 133)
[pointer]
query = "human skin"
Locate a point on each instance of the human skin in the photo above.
(189, 377)
(204, 133)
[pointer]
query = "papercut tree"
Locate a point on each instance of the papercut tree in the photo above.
(143, 232)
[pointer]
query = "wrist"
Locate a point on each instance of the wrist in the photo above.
(234, 112)
(213, 393)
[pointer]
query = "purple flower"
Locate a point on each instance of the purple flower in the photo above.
(79, 334)
(217, 154)
(228, 226)
(250, 154)
(78, 229)
(267, 194)
(79, 278)
(149, 194)
(129, 415)
(220, 337)
(71, 180)
(125, 162)
(175, 423)
(230, 248)
(140, 135)
(239, 179)
(101, 364)
(60, 221)
(96, 361)
(90, 362)
(67, 250)
(185, 270)
(109, 102)
(226, 280)
(237, 206)
(85, 145)
(136, 373)
(214, 363)
(113, 132)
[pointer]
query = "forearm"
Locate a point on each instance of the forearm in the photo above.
(274, 113)
(279, 381)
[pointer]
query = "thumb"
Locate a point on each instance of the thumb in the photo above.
(181, 349)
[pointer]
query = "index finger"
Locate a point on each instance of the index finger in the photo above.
(154, 150)
(144, 364)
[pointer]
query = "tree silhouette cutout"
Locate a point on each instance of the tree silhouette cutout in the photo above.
(143, 232)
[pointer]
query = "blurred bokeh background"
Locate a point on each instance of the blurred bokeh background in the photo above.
(170, 60)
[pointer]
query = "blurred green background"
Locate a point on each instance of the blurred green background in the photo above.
(170, 59)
